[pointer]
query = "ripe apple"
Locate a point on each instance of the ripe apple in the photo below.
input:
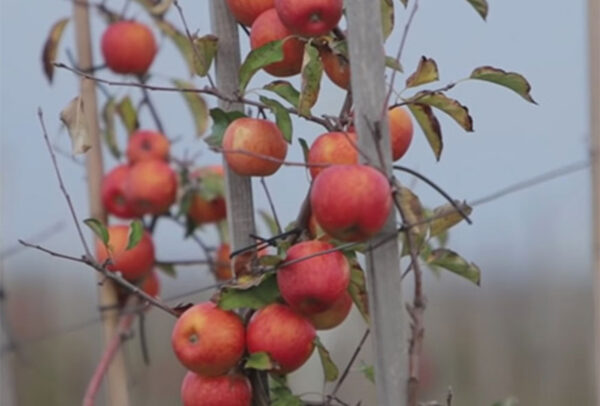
(145, 145)
(224, 390)
(151, 187)
(268, 28)
(246, 11)
(223, 270)
(284, 334)
(256, 138)
(313, 285)
(332, 148)
(133, 263)
(351, 202)
(208, 340)
(315, 231)
(336, 67)
(401, 131)
(310, 18)
(128, 47)
(113, 193)
(334, 315)
(202, 210)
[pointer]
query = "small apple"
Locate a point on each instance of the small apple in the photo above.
(334, 315)
(313, 285)
(332, 148)
(208, 340)
(145, 145)
(351, 202)
(246, 11)
(151, 187)
(247, 140)
(113, 193)
(134, 263)
(128, 47)
(284, 334)
(223, 270)
(203, 210)
(224, 390)
(268, 28)
(310, 18)
(336, 67)
(401, 131)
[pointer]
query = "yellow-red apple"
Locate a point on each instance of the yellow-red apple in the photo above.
(203, 210)
(128, 47)
(151, 187)
(332, 148)
(401, 131)
(246, 11)
(310, 18)
(334, 315)
(336, 67)
(113, 193)
(145, 145)
(224, 390)
(223, 270)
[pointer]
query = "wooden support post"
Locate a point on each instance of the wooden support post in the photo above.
(117, 376)
(367, 53)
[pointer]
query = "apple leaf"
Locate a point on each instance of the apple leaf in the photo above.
(73, 117)
(358, 290)
(514, 81)
(110, 135)
(450, 260)
(221, 121)
(269, 222)
(204, 54)
(181, 41)
(430, 126)
(270, 260)
(452, 107)
(312, 71)
(255, 297)
(281, 395)
(305, 148)
(393, 63)
(156, 8)
(259, 58)
(285, 90)
(128, 115)
(511, 401)
(167, 269)
(445, 217)
(368, 371)
(212, 186)
(98, 228)
(426, 72)
(197, 106)
(259, 360)
(109, 16)
(51, 47)
(136, 232)
(481, 6)
(282, 117)
(387, 17)
(412, 213)
(330, 370)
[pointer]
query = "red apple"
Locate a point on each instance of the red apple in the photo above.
(224, 390)
(246, 11)
(204, 210)
(223, 270)
(208, 340)
(284, 334)
(134, 263)
(334, 315)
(310, 18)
(313, 285)
(401, 131)
(147, 145)
(128, 47)
(268, 28)
(336, 67)
(151, 187)
(332, 148)
(255, 138)
(351, 202)
(113, 193)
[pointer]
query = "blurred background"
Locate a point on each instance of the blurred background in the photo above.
(526, 332)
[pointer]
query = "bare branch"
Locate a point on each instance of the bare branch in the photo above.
(271, 204)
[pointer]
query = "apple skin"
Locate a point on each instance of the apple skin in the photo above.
(145, 145)
(267, 28)
(224, 390)
(208, 340)
(113, 193)
(332, 148)
(310, 18)
(134, 263)
(313, 285)
(284, 334)
(223, 270)
(255, 136)
(247, 11)
(128, 47)
(401, 131)
(334, 315)
(204, 211)
(336, 67)
(351, 202)
(151, 187)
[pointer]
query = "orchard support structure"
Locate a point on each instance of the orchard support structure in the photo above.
(117, 376)
(367, 53)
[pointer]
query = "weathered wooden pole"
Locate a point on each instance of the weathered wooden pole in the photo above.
(367, 54)
(117, 376)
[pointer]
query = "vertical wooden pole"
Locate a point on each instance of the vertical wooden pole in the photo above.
(116, 377)
(365, 42)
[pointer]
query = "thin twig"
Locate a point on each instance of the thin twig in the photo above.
(348, 366)
(271, 204)
(270, 158)
(153, 112)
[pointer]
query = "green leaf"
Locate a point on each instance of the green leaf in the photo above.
(514, 81)
(269, 222)
(221, 121)
(110, 135)
(128, 114)
(452, 107)
(393, 63)
(426, 72)
(156, 8)
(511, 401)
(259, 360)
(197, 106)
(51, 47)
(282, 117)
(312, 70)
(167, 269)
(285, 90)
(368, 371)
(206, 49)
(136, 232)
(481, 6)
(98, 228)
(445, 217)
(358, 290)
(330, 370)
(281, 395)
(270, 260)
(181, 41)
(255, 297)
(305, 148)
(212, 186)
(453, 262)
(430, 126)
(387, 17)
(259, 58)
